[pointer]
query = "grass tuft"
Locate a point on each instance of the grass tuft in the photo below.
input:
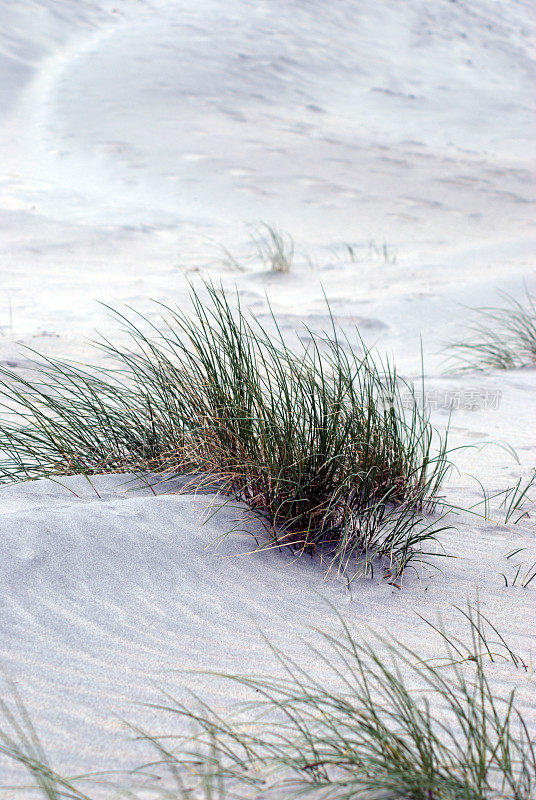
(500, 338)
(318, 440)
(272, 247)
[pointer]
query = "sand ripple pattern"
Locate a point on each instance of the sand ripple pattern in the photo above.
(107, 596)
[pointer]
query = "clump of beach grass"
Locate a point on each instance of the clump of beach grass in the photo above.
(376, 722)
(317, 439)
(272, 247)
(500, 338)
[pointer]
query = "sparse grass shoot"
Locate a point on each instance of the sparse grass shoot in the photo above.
(383, 253)
(516, 498)
(523, 576)
(516, 502)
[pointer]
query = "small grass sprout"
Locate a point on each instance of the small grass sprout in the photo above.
(515, 498)
(274, 247)
(513, 506)
(383, 253)
(525, 576)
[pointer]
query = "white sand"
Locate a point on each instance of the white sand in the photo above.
(137, 135)
(105, 597)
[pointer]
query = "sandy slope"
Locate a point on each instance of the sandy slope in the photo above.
(109, 590)
(136, 136)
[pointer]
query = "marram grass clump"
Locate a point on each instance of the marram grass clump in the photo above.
(317, 439)
(502, 337)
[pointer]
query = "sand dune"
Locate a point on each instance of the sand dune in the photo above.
(110, 591)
